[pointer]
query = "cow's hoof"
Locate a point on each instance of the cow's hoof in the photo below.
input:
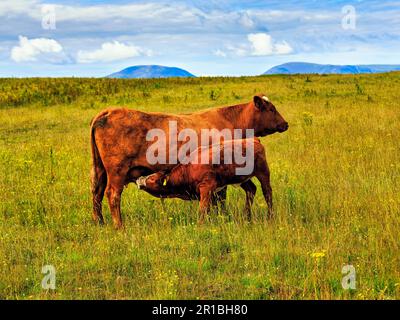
(98, 221)
(118, 226)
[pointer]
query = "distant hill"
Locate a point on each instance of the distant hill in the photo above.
(150, 71)
(304, 67)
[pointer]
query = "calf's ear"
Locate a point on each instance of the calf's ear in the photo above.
(259, 103)
(165, 180)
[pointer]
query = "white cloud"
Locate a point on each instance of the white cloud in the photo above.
(17, 7)
(220, 53)
(239, 50)
(283, 48)
(160, 17)
(246, 21)
(259, 44)
(262, 44)
(31, 49)
(111, 51)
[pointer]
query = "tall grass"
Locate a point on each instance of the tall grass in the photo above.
(335, 178)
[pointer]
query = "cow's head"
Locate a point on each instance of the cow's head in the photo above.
(267, 120)
(155, 183)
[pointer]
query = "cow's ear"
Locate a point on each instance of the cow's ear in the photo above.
(259, 103)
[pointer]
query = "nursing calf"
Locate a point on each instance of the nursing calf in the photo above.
(199, 180)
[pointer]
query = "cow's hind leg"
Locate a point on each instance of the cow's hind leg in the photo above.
(115, 186)
(99, 183)
(250, 189)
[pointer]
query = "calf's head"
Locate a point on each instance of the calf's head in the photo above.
(155, 183)
(267, 120)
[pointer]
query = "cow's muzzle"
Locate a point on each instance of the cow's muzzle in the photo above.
(283, 127)
(141, 182)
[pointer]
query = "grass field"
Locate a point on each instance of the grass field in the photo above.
(335, 178)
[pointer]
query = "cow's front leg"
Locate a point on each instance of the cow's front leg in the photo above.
(264, 178)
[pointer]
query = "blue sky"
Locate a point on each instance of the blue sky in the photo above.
(95, 38)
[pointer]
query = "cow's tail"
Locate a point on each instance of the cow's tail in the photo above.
(98, 174)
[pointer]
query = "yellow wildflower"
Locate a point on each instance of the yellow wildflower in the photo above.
(318, 255)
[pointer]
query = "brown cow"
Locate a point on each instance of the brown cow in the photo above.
(200, 180)
(119, 145)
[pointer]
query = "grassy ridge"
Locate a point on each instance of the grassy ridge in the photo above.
(335, 177)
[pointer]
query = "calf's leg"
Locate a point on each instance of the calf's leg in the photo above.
(250, 189)
(163, 204)
(206, 192)
(220, 198)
